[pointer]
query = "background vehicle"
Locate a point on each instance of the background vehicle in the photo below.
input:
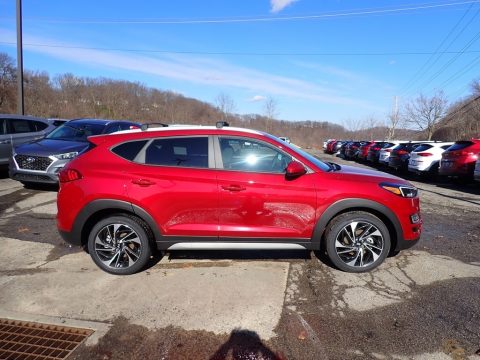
(227, 188)
(425, 159)
(363, 150)
(459, 159)
(284, 138)
(386, 150)
(352, 149)
(325, 143)
(41, 160)
(374, 151)
(400, 155)
(330, 146)
(18, 129)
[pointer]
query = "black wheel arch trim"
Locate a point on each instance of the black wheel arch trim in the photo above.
(78, 236)
(358, 204)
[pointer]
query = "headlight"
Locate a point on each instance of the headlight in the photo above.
(66, 156)
(400, 190)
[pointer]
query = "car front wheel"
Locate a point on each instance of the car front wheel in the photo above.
(357, 241)
(120, 244)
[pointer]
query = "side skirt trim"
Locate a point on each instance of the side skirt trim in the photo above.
(235, 246)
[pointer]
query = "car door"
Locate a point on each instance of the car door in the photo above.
(5, 143)
(173, 179)
(256, 199)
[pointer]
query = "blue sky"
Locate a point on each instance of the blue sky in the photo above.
(328, 60)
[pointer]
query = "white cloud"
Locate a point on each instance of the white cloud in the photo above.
(257, 98)
(194, 70)
(279, 5)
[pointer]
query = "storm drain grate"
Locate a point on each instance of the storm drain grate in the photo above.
(21, 340)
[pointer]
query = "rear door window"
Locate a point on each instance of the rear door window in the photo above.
(181, 152)
(18, 126)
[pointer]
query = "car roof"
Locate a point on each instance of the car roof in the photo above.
(17, 116)
(188, 128)
(97, 121)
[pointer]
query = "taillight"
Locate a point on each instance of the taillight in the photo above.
(424, 154)
(376, 148)
(402, 152)
(466, 153)
(388, 150)
(67, 175)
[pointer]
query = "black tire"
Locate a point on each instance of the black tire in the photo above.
(369, 249)
(130, 249)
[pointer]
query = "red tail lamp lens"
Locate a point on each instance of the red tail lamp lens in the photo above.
(69, 175)
(424, 154)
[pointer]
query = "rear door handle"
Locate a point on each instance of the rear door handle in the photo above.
(143, 182)
(233, 187)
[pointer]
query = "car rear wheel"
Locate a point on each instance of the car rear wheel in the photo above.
(120, 244)
(357, 241)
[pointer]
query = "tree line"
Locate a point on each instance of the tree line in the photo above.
(68, 96)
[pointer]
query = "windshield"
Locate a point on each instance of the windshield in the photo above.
(76, 131)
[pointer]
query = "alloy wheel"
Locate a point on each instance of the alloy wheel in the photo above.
(118, 246)
(359, 244)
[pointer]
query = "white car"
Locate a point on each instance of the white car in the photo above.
(426, 158)
(476, 172)
(386, 151)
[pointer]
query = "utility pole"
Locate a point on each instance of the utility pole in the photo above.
(393, 120)
(20, 106)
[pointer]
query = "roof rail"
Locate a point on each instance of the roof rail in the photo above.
(149, 125)
(221, 124)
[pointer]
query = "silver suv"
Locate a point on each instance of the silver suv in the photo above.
(19, 129)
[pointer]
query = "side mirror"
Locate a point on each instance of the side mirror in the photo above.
(295, 169)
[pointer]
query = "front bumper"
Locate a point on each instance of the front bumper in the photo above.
(406, 244)
(47, 176)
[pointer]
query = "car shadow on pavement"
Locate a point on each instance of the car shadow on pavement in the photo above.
(3, 172)
(244, 344)
(239, 255)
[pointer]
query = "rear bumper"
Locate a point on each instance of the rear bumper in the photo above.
(70, 238)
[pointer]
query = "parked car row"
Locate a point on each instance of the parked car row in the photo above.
(458, 159)
(36, 149)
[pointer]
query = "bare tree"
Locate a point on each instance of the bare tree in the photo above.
(424, 113)
(393, 121)
(7, 84)
(225, 105)
(270, 110)
(475, 86)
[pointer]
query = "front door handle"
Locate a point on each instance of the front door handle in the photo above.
(143, 182)
(233, 187)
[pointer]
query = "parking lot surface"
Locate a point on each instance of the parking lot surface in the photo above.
(421, 304)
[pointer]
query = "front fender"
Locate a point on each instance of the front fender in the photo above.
(357, 204)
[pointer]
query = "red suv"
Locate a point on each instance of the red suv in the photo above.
(459, 159)
(227, 188)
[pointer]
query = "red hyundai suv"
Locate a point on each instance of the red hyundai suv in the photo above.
(227, 188)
